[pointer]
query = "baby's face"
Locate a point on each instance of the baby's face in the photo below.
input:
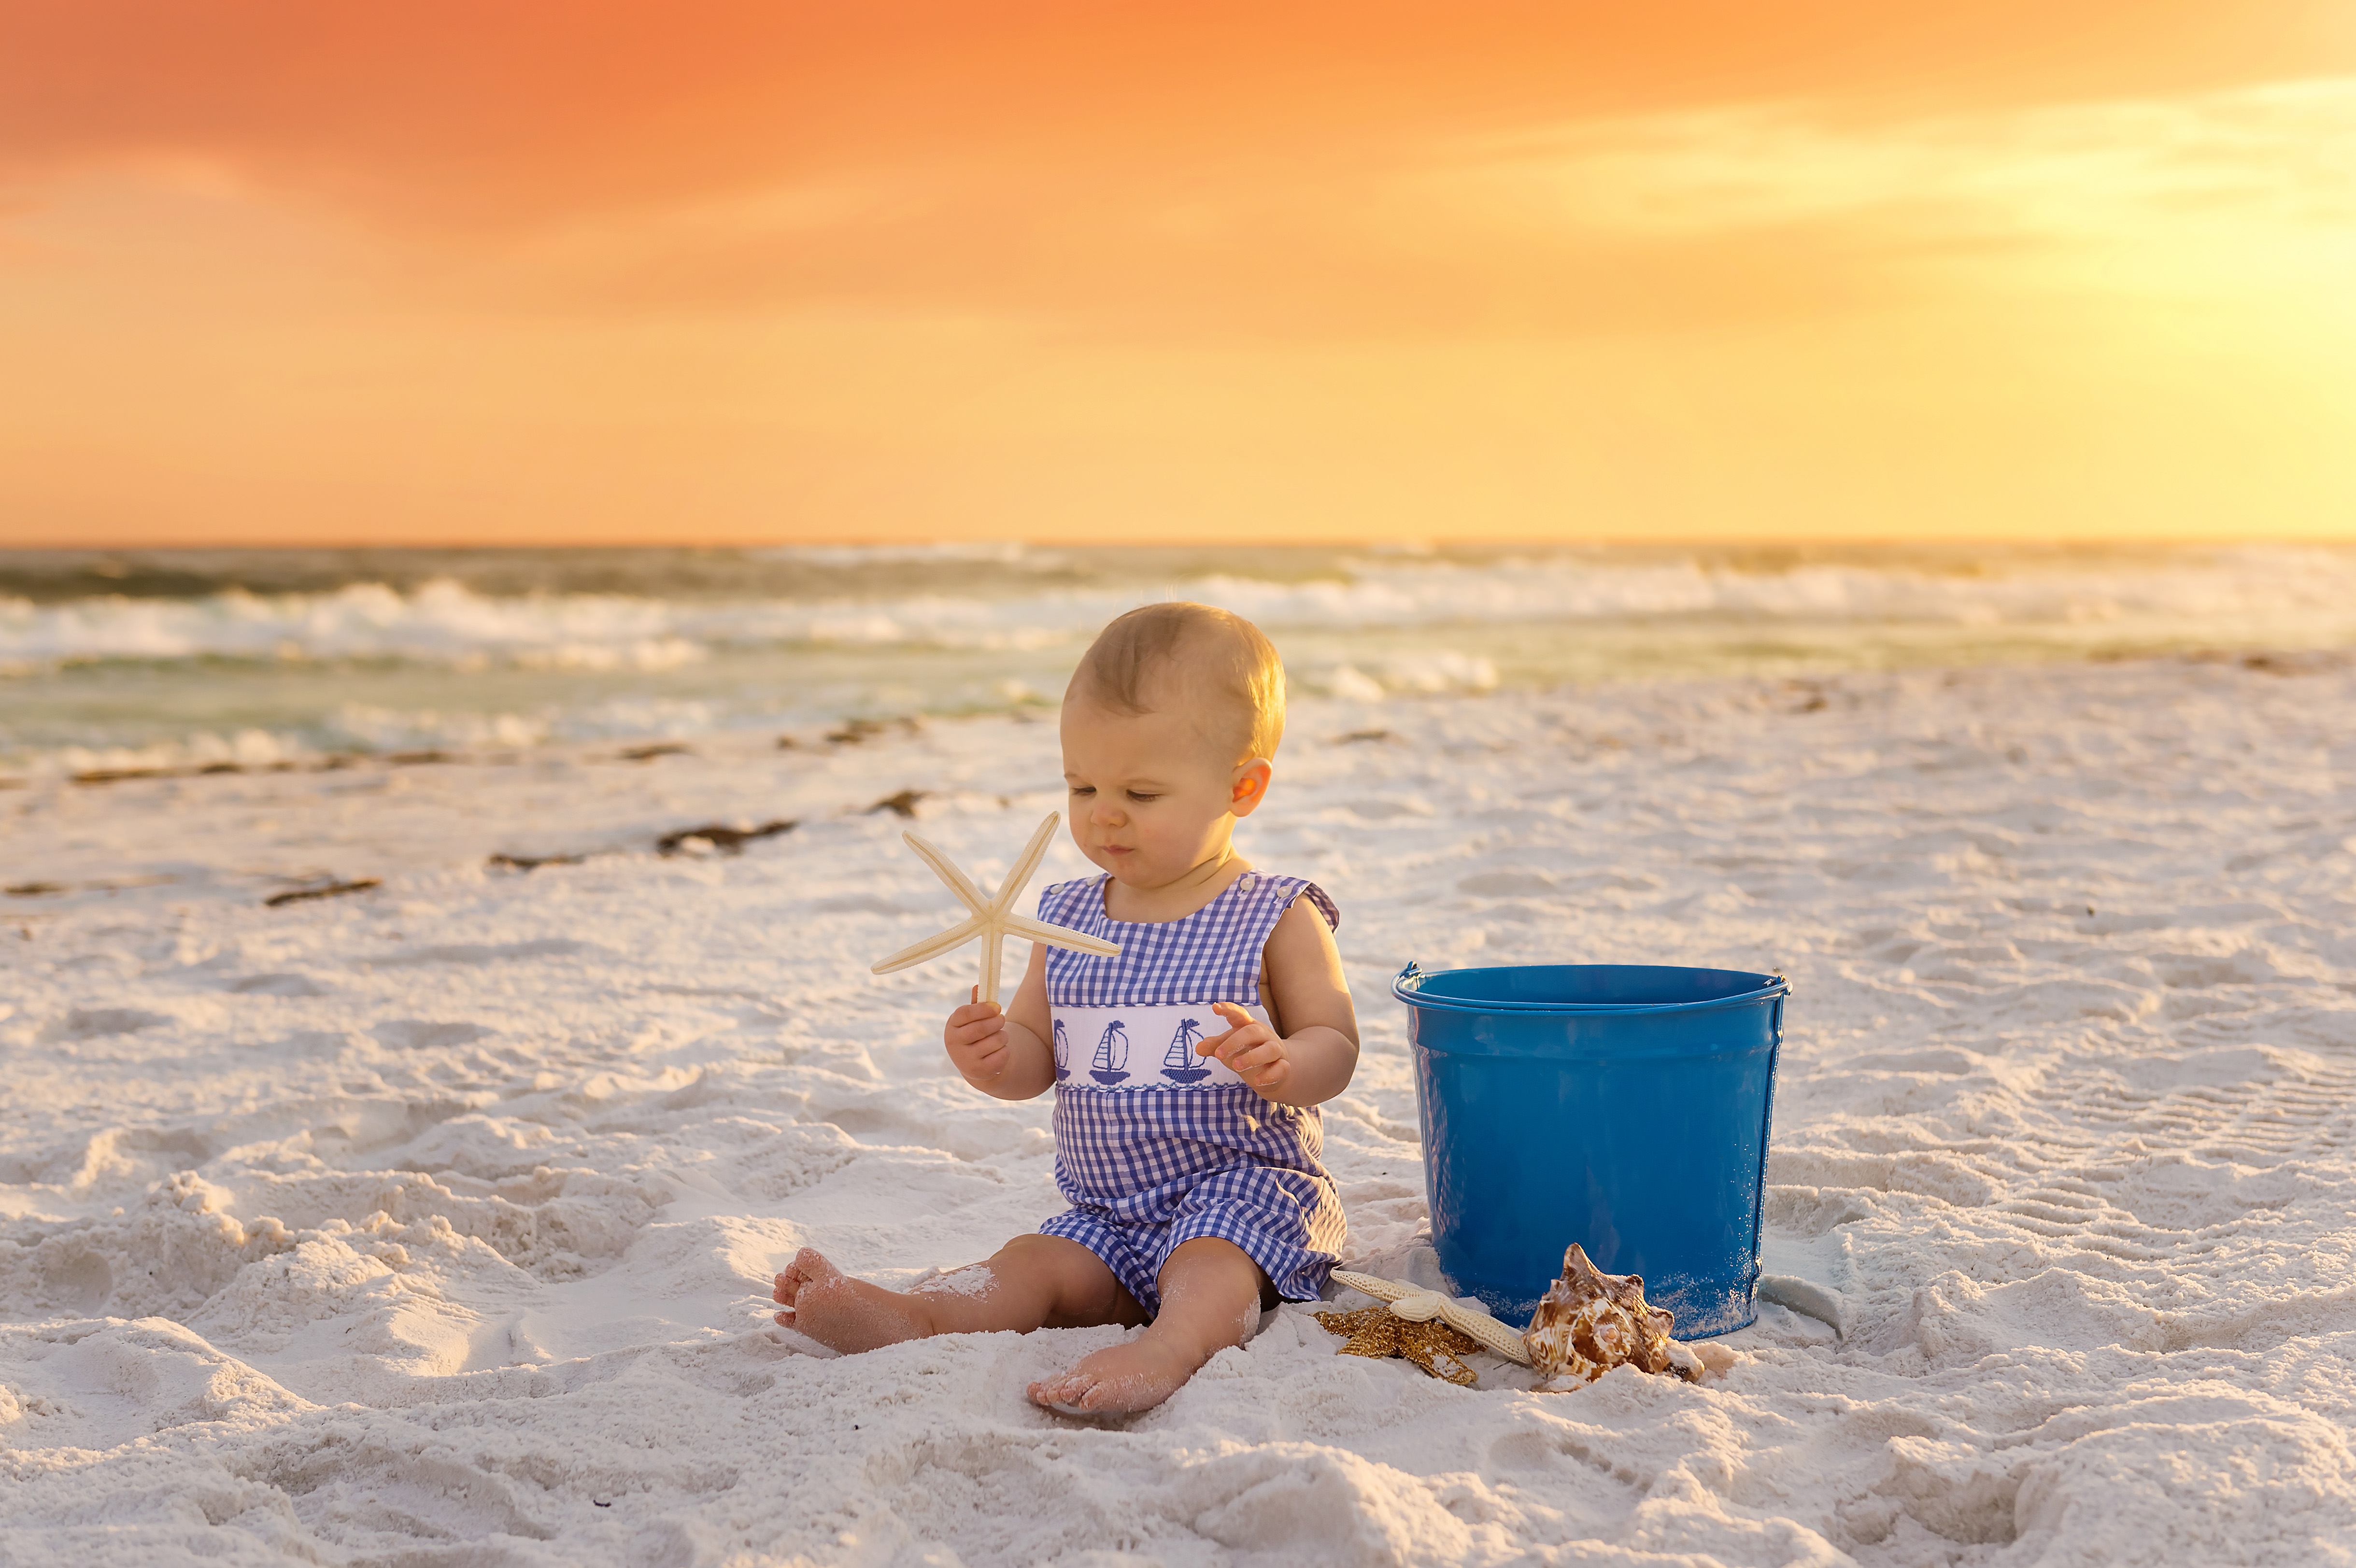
(1151, 798)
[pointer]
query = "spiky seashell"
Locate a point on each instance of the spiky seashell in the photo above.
(1590, 1322)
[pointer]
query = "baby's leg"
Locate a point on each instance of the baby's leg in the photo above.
(1031, 1281)
(1211, 1295)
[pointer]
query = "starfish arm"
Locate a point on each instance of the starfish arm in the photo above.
(956, 880)
(932, 946)
(994, 945)
(1027, 865)
(1023, 925)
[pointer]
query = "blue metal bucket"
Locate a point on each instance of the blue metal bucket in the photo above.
(1621, 1106)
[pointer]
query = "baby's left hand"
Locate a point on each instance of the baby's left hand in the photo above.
(1252, 1049)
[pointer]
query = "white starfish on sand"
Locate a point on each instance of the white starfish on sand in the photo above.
(993, 919)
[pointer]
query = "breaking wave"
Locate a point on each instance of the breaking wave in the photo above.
(255, 659)
(1014, 599)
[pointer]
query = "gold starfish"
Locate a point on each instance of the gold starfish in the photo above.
(993, 920)
(1437, 1348)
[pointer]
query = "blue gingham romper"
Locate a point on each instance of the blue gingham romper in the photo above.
(1155, 1146)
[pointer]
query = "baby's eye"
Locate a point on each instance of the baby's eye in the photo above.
(1141, 798)
(1084, 789)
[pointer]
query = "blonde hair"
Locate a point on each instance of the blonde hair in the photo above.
(1225, 661)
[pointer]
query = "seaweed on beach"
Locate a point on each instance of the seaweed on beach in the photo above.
(858, 731)
(531, 862)
(331, 890)
(727, 841)
(334, 763)
(126, 775)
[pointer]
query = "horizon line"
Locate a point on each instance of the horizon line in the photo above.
(1400, 545)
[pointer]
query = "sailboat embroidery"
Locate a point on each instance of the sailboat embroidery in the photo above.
(1062, 1052)
(1112, 1055)
(1180, 1064)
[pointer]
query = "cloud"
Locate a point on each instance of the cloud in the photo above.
(2285, 153)
(496, 113)
(1681, 222)
(1132, 181)
(935, 266)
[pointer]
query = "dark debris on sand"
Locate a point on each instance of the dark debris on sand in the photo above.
(332, 891)
(1806, 697)
(901, 804)
(122, 776)
(727, 841)
(854, 732)
(531, 862)
(2311, 661)
(105, 885)
(857, 732)
(334, 763)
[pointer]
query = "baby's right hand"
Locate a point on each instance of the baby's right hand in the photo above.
(976, 1037)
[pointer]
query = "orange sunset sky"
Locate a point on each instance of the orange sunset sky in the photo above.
(484, 270)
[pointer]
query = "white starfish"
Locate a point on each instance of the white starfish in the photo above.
(993, 920)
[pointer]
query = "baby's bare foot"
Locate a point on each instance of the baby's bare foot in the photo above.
(1120, 1380)
(842, 1313)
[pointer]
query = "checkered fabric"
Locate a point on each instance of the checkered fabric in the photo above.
(1212, 955)
(1146, 1169)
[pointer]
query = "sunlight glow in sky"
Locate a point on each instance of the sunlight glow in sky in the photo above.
(316, 272)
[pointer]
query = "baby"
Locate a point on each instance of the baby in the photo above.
(1190, 1157)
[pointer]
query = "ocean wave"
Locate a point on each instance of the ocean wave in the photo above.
(444, 621)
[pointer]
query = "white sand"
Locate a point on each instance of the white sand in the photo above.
(433, 1225)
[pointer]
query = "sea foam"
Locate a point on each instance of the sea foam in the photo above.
(445, 620)
(165, 661)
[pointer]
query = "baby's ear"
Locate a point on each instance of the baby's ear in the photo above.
(1251, 785)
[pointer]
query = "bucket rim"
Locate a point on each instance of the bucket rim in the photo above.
(1778, 986)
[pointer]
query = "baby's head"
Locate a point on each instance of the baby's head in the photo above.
(1170, 726)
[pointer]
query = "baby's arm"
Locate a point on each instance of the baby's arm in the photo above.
(1005, 1051)
(1308, 996)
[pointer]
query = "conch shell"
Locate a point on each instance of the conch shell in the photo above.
(1590, 1322)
